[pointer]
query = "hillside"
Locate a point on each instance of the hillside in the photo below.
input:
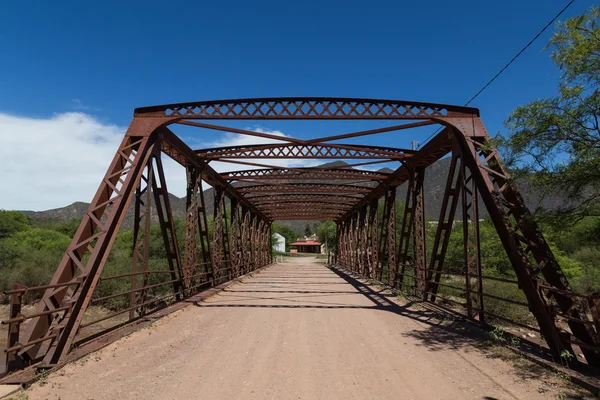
(435, 181)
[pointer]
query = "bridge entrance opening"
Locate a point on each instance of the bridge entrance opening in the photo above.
(385, 230)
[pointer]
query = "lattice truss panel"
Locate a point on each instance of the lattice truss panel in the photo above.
(325, 151)
(303, 108)
(381, 235)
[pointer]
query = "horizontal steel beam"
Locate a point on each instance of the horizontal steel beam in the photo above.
(301, 216)
(305, 108)
(293, 206)
(305, 151)
(305, 174)
(304, 188)
(301, 210)
(297, 197)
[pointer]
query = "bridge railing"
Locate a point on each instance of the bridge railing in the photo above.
(109, 309)
(496, 304)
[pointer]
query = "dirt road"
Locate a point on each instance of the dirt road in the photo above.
(297, 330)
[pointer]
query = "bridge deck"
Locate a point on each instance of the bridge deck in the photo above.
(297, 330)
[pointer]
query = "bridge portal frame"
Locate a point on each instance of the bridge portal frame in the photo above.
(243, 214)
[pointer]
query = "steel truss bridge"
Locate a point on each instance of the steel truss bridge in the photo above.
(372, 241)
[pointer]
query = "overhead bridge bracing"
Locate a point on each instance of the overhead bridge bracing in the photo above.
(376, 238)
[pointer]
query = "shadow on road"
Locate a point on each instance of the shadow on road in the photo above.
(435, 331)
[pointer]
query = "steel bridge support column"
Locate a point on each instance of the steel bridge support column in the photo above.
(153, 185)
(260, 233)
(348, 255)
(227, 242)
(141, 240)
(271, 243)
(245, 240)
(217, 251)
(235, 241)
(336, 254)
(406, 232)
(167, 224)
(340, 254)
(419, 246)
(473, 272)
(373, 241)
(355, 245)
(190, 251)
(197, 232)
(252, 261)
(362, 233)
(388, 236)
(352, 243)
(454, 185)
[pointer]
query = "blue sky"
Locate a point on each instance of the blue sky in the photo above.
(94, 63)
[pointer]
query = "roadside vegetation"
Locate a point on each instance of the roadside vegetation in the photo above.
(30, 251)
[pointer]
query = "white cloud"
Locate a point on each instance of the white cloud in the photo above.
(78, 105)
(52, 162)
(49, 163)
(232, 139)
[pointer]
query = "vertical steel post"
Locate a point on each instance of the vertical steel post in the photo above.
(454, 184)
(406, 229)
(363, 259)
(141, 240)
(13, 361)
(246, 240)
(235, 242)
(419, 237)
(373, 248)
(226, 241)
(190, 251)
(217, 241)
(167, 225)
(473, 271)
(203, 230)
(390, 225)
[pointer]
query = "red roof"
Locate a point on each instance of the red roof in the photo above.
(307, 243)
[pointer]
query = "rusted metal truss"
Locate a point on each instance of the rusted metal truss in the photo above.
(295, 151)
(305, 174)
(304, 188)
(296, 206)
(305, 108)
(302, 198)
(386, 241)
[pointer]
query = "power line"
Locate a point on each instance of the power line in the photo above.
(511, 61)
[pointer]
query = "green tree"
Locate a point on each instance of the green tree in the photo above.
(11, 222)
(555, 141)
(30, 256)
(289, 235)
(326, 231)
(307, 230)
(68, 227)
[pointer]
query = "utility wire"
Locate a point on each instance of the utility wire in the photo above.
(511, 61)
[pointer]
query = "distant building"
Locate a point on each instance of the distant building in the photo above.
(280, 245)
(308, 244)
